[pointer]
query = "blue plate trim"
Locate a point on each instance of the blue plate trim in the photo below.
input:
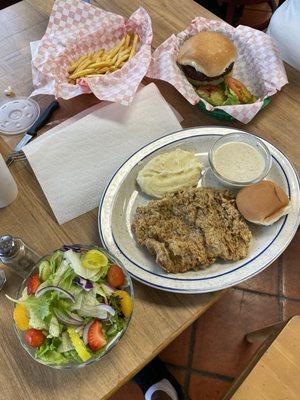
(183, 279)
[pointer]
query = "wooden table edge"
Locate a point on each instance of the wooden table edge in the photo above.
(256, 358)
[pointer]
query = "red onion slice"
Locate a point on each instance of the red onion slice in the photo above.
(100, 311)
(65, 319)
(63, 292)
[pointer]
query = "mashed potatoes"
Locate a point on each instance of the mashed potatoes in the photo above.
(169, 172)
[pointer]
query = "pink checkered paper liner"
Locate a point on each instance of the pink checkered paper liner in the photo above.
(258, 65)
(76, 28)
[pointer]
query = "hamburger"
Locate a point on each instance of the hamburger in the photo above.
(207, 60)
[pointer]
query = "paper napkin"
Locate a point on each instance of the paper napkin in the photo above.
(74, 164)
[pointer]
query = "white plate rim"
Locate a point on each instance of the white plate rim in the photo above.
(123, 171)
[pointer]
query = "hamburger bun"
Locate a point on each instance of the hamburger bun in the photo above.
(207, 57)
(263, 203)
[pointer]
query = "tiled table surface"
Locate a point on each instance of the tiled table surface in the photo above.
(210, 354)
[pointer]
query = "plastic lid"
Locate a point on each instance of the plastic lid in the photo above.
(18, 115)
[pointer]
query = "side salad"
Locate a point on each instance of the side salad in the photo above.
(73, 306)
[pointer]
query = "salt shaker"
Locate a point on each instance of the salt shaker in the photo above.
(8, 187)
(17, 255)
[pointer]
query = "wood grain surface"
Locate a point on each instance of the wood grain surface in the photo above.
(158, 317)
(276, 374)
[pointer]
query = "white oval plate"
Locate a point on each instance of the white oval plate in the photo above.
(122, 196)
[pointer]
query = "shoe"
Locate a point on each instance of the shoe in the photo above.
(158, 383)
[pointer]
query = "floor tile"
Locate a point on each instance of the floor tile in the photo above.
(178, 373)
(130, 391)
(177, 352)
(290, 308)
(220, 346)
(265, 282)
(207, 388)
(291, 269)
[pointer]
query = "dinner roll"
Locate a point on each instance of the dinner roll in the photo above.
(263, 203)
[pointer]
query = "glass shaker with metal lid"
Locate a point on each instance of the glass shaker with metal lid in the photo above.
(17, 255)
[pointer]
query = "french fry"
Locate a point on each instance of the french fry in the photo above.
(101, 64)
(113, 60)
(124, 52)
(81, 60)
(115, 49)
(103, 61)
(83, 65)
(103, 70)
(120, 60)
(75, 64)
(127, 40)
(81, 73)
(112, 69)
(134, 46)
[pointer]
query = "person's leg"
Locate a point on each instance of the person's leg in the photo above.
(157, 383)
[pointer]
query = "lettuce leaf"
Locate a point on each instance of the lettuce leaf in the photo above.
(59, 274)
(56, 260)
(231, 98)
(72, 356)
(36, 322)
(66, 344)
(38, 306)
(54, 328)
(66, 282)
(48, 352)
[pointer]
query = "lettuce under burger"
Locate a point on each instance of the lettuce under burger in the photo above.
(229, 92)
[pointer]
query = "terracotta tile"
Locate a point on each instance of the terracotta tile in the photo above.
(290, 308)
(265, 282)
(220, 346)
(129, 391)
(291, 268)
(178, 373)
(207, 388)
(177, 352)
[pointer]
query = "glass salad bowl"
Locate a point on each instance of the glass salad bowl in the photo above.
(74, 306)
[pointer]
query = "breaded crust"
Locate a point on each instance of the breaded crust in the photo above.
(189, 229)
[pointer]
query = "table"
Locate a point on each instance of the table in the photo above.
(30, 216)
(273, 375)
(158, 317)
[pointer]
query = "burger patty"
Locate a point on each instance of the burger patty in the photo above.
(191, 73)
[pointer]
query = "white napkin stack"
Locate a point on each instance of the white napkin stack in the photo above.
(73, 163)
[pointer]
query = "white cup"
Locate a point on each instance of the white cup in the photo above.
(8, 186)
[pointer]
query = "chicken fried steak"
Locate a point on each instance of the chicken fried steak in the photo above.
(189, 229)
